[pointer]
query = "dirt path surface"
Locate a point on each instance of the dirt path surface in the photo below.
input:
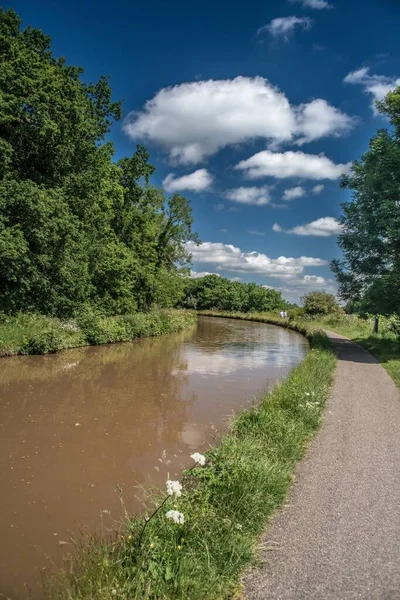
(338, 538)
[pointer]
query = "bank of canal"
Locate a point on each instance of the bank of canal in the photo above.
(77, 425)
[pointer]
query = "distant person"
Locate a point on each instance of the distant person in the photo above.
(282, 314)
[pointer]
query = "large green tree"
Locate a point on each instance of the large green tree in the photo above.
(370, 270)
(75, 227)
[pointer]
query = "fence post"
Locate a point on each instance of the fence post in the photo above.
(376, 323)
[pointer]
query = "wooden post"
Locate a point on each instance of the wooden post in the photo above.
(376, 323)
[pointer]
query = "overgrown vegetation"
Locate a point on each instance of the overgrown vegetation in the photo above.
(219, 293)
(320, 303)
(36, 334)
(76, 228)
(225, 505)
(384, 345)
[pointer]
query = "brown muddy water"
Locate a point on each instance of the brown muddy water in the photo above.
(77, 426)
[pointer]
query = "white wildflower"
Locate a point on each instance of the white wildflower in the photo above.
(198, 458)
(239, 526)
(307, 394)
(175, 516)
(174, 488)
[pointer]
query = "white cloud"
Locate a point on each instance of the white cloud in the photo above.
(255, 232)
(284, 26)
(292, 193)
(198, 181)
(224, 230)
(219, 206)
(317, 4)
(375, 85)
(258, 196)
(192, 121)
(230, 258)
(298, 286)
(291, 164)
(323, 227)
(317, 189)
(199, 274)
(318, 119)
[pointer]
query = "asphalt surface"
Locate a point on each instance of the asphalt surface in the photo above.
(338, 538)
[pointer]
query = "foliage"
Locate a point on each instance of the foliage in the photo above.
(218, 293)
(319, 303)
(384, 345)
(76, 228)
(36, 334)
(225, 504)
(370, 270)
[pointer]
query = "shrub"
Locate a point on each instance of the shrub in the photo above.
(320, 303)
(46, 342)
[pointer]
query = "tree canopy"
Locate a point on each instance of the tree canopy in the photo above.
(218, 293)
(76, 227)
(369, 273)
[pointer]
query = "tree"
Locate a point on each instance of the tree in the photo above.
(77, 228)
(319, 303)
(214, 292)
(370, 269)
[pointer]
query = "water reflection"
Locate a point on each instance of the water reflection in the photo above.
(74, 426)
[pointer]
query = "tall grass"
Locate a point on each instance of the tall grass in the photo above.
(226, 503)
(384, 345)
(37, 334)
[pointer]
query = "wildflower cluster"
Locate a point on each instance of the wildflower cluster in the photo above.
(174, 488)
(198, 458)
(175, 516)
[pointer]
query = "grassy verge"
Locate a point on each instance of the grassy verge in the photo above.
(37, 334)
(226, 504)
(385, 345)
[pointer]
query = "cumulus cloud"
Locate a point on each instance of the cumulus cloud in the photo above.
(295, 287)
(317, 4)
(317, 189)
(198, 181)
(230, 258)
(200, 274)
(283, 27)
(375, 85)
(323, 227)
(259, 196)
(292, 193)
(192, 121)
(291, 164)
(318, 119)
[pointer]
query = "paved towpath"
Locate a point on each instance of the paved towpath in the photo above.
(338, 538)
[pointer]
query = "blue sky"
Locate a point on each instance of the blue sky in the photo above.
(251, 110)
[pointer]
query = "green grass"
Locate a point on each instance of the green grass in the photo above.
(37, 334)
(385, 345)
(226, 504)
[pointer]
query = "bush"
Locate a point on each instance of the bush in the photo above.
(320, 303)
(391, 324)
(46, 342)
